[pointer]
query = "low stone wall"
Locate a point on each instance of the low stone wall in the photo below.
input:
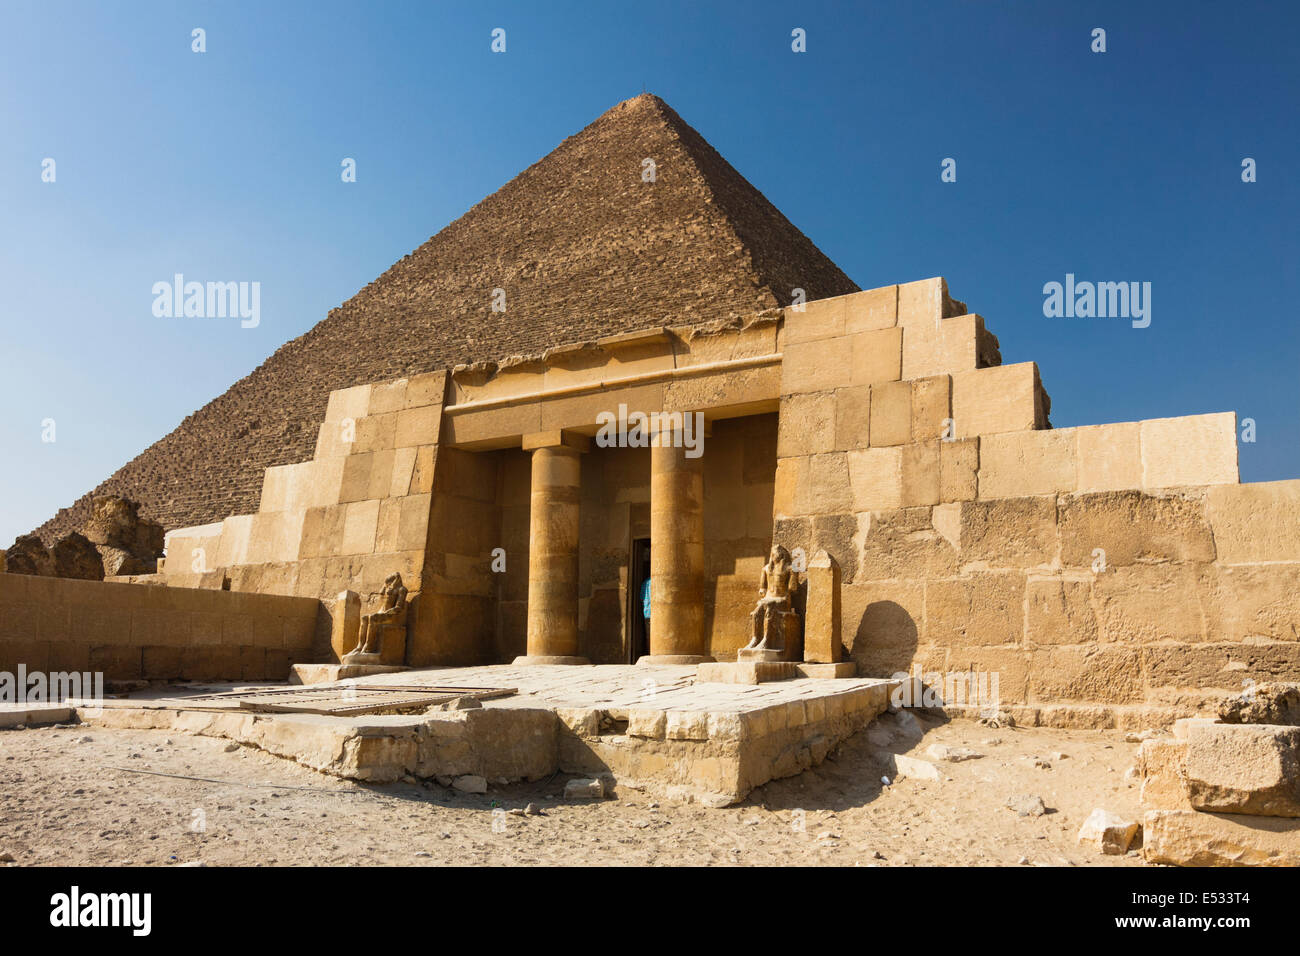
(1165, 600)
(134, 631)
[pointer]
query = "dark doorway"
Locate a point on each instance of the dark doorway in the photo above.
(638, 624)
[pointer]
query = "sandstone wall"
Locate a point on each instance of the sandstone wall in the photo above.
(1114, 564)
(133, 631)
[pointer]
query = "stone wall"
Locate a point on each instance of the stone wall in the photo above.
(1112, 564)
(133, 631)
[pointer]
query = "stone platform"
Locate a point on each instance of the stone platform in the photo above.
(651, 727)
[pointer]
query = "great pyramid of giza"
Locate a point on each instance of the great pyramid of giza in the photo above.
(583, 247)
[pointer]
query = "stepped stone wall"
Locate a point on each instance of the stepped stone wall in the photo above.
(1119, 564)
(580, 244)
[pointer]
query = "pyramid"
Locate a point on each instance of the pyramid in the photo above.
(583, 248)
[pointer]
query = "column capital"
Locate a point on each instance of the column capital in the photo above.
(556, 438)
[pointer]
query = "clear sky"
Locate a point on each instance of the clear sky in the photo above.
(1115, 166)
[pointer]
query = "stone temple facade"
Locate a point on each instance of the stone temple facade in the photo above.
(1107, 575)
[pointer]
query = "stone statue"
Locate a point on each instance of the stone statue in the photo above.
(391, 613)
(770, 619)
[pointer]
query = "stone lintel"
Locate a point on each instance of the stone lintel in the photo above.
(557, 438)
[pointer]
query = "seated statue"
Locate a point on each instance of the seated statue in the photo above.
(775, 615)
(391, 613)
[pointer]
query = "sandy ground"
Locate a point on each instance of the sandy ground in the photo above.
(64, 799)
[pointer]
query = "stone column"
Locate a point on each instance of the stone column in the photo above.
(676, 552)
(553, 548)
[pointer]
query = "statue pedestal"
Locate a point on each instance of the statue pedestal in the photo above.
(329, 673)
(745, 672)
(750, 654)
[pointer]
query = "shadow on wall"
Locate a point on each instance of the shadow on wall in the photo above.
(884, 641)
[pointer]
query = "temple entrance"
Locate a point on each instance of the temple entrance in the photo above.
(638, 575)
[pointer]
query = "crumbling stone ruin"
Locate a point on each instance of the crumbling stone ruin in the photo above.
(127, 543)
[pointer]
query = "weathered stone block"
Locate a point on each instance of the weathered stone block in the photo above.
(920, 473)
(1193, 450)
(1162, 762)
(853, 418)
(1059, 611)
(1090, 672)
(821, 632)
(1109, 457)
(891, 414)
(877, 356)
(871, 309)
(1132, 527)
(931, 407)
(1255, 522)
(876, 475)
(1244, 768)
(807, 424)
(992, 400)
(959, 463)
(1192, 838)
(1016, 464)
(1009, 532)
(985, 608)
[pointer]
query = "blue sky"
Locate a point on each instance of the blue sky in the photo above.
(1115, 166)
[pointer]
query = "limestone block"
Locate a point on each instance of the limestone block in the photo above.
(806, 425)
(920, 473)
(1148, 604)
(1009, 532)
(426, 389)
(891, 414)
(334, 440)
(1193, 450)
(1133, 527)
(815, 367)
(991, 400)
(985, 608)
(1162, 762)
(387, 397)
(495, 424)
(922, 302)
(1108, 832)
(870, 310)
(949, 346)
(1216, 665)
(1244, 768)
(1018, 464)
(817, 320)
(345, 403)
(876, 476)
(1086, 672)
(931, 407)
(959, 463)
(829, 488)
(1255, 522)
(1058, 610)
(360, 525)
(1192, 838)
(822, 638)
(903, 543)
(274, 482)
(417, 426)
(1109, 457)
(738, 391)
(877, 356)
(374, 433)
(853, 418)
